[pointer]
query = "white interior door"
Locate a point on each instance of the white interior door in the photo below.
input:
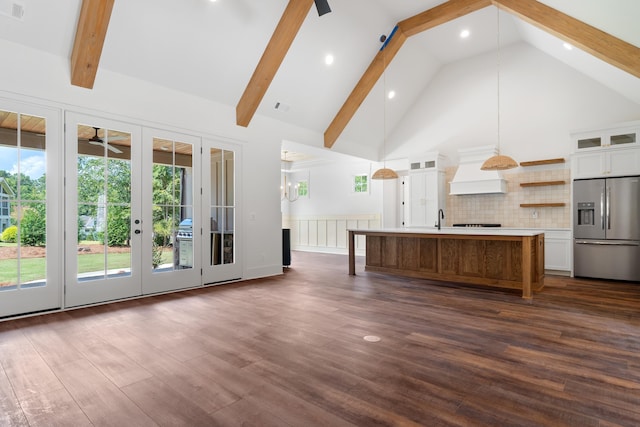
(30, 208)
(222, 240)
(172, 231)
(103, 210)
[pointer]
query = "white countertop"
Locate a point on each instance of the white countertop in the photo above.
(468, 231)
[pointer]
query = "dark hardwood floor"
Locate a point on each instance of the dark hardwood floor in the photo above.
(289, 351)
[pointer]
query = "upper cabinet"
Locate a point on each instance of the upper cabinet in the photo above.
(606, 152)
(607, 138)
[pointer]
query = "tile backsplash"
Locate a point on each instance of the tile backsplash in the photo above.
(505, 208)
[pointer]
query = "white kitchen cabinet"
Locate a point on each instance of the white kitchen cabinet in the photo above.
(606, 152)
(426, 191)
(606, 163)
(557, 250)
(619, 136)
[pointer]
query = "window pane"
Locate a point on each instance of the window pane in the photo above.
(303, 188)
(104, 203)
(172, 183)
(222, 206)
(229, 178)
(22, 201)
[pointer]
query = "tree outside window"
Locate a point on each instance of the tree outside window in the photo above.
(360, 184)
(303, 188)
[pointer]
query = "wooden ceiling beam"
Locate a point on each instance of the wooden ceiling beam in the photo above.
(363, 87)
(423, 21)
(87, 46)
(602, 45)
(282, 38)
(440, 14)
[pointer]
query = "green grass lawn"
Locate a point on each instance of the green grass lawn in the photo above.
(34, 268)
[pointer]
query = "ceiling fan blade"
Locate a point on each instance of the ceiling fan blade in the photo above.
(114, 149)
(322, 6)
(102, 144)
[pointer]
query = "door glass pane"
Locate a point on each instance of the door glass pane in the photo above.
(22, 201)
(104, 203)
(222, 206)
(589, 142)
(172, 183)
(627, 138)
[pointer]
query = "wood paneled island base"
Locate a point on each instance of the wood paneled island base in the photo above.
(500, 258)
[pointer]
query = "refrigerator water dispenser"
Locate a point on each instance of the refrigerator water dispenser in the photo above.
(586, 213)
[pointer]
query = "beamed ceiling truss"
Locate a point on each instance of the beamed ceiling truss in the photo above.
(95, 14)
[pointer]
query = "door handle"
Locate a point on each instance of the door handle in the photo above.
(137, 231)
(602, 209)
(609, 208)
(605, 243)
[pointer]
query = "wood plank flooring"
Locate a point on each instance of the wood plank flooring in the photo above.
(289, 351)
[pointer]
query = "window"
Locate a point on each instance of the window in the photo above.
(303, 188)
(360, 184)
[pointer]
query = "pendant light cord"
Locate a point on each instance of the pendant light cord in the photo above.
(384, 109)
(498, 73)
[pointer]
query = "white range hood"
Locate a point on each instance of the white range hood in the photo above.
(470, 179)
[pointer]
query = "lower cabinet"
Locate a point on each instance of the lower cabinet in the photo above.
(557, 250)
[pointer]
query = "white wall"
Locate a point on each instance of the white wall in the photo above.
(35, 77)
(330, 189)
(542, 101)
(320, 221)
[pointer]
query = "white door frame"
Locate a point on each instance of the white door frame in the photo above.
(215, 274)
(165, 281)
(112, 288)
(49, 297)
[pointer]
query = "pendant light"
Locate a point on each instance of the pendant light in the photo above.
(384, 173)
(498, 162)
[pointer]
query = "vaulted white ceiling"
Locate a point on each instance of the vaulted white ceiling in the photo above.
(211, 49)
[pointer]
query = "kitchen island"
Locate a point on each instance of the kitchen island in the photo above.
(500, 257)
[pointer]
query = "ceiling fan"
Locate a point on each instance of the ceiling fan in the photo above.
(96, 140)
(322, 6)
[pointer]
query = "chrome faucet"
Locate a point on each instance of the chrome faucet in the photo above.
(440, 216)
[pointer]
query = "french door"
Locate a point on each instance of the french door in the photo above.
(222, 238)
(171, 199)
(134, 199)
(104, 218)
(30, 208)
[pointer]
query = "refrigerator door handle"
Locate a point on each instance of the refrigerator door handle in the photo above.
(608, 208)
(606, 243)
(602, 210)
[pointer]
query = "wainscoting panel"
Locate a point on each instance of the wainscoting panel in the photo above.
(328, 233)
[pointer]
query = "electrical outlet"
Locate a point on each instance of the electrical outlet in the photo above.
(534, 214)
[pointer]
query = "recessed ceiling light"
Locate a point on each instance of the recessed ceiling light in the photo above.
(464, 34)
(567, 46)
(391, 94)
(328, 59)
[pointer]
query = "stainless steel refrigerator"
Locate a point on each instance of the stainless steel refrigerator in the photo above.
(606, 228)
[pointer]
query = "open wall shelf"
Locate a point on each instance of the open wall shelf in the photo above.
(542, 205)
(541, 183)
(542, 162)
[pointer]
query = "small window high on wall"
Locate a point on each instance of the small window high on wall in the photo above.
(361, 183)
